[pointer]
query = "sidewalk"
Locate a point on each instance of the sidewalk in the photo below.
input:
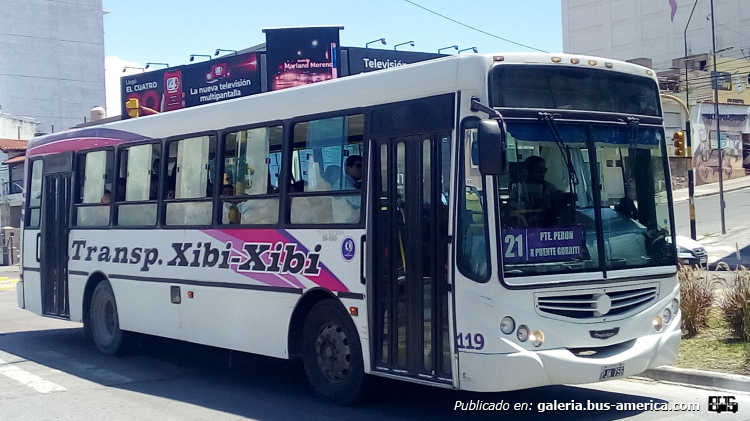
(732, 184)
(709, 379)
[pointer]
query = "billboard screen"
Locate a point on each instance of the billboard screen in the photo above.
(363, 60)
(299, 56)
(197, 84)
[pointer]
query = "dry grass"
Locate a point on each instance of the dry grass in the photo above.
(714, 348)
(735, 302)
(696, 299)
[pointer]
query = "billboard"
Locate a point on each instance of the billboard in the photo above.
(197, 84)
(299, 56)
(363, 60)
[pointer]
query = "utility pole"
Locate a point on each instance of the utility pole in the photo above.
(715, 83)
(689, 136)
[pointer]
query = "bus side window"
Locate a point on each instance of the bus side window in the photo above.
(473, 251)
(35, 194)
(250, 180)
(94, 181)
(139, 171)
(327, 171)
(189, 187)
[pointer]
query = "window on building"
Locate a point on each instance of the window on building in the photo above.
(137, 186)
(250, 180)
(15, 184)
(327, 171)
(188, 185)
(94, 181)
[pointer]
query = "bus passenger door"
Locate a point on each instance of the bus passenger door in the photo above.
(53, 253)
(410, 250)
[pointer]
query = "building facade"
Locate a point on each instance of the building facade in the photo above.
(628, 29)
(52, 60)
(653, 33)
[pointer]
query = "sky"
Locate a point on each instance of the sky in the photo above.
(137, 32)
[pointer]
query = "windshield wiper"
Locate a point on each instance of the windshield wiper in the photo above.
(564, 149)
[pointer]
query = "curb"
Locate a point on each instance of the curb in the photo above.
(711, 193)
(734, 382)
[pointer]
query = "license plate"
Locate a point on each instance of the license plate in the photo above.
(612, 371)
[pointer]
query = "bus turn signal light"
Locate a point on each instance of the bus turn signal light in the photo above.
(679, 143)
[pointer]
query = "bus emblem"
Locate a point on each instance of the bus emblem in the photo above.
(347, 249)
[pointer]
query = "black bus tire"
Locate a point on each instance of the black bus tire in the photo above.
(332, 354)
(105, 323)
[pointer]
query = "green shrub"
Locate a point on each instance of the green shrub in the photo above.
(696, 298)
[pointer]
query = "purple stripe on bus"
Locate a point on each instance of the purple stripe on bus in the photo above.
(86, 133)
(325, 278)
(271, 279)
(73, 145)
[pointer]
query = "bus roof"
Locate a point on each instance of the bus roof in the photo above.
(464, 72)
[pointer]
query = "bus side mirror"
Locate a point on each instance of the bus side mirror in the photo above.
(493, 156)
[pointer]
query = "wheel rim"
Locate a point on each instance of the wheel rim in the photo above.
(333, 353)
(105, 321)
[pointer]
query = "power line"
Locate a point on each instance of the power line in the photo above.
(475, 29)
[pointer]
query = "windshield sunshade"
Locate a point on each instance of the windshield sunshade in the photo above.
(568, 88)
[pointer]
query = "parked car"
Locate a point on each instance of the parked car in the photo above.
(691, 252)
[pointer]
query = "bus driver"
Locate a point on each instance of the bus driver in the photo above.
(533, 198)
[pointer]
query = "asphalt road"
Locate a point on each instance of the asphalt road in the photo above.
(48, 371)
(708, 225)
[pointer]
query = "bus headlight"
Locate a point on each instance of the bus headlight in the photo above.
(666, 315)
(507, 325)
(675, 306)
(523, 333)
(658, 323)
(537, 338)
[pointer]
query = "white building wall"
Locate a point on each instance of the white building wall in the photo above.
(52, 60)
(627, 29)
(17, 128)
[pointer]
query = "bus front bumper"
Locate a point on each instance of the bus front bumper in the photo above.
(526, 369)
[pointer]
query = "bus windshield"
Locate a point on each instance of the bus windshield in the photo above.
(570, 88)
(558, 194)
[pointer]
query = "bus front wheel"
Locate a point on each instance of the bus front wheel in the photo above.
(105, 324)
(332, 354)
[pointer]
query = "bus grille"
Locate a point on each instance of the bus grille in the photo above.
(604, 302)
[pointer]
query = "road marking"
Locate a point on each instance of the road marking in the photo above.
(7, 287)
(31, 380)
(8, 281)
(90, 370)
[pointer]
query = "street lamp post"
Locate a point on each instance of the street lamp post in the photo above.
(160, 64)
(404, 43)
(715, 84)
(219, 50)
(689, 136)
(380, 40)
(193, 56)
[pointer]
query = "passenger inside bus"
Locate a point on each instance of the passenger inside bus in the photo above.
(343, 209)
(352, 178)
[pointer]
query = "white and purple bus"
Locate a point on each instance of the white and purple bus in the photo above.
(475, 222)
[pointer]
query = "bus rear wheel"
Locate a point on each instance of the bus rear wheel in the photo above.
(105, 323)
(332, 354)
